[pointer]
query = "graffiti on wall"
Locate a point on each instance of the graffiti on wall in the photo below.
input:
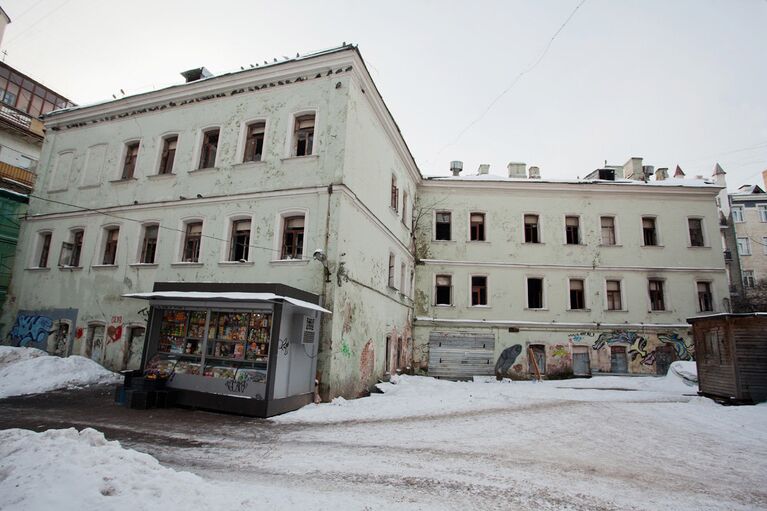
(560, 351)
(681, 348)
(31, 331)
(506, 360)
(579, 336)
(115, 329)
(638, 345)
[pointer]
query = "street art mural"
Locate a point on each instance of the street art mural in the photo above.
(506, 361)
(682, 349)
(643, 349)
(31, 331)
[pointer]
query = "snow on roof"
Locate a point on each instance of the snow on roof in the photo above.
(234, 297)
(696, 183)
(748, 190)
(729, 315)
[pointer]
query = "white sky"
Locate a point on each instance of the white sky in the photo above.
(676, 82)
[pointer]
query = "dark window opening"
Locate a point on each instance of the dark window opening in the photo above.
(304, 135)
(479, 290)
(192, 240)
(656, 295)
(443, 226)
(129, 165)
(443, 290)
(238, 251)
(209, 149)
(608, 230)
(614, 295)
(577, 295)
(110, 245)
(293, 238)
(149, 245)
(705, 298)
(477, 227)
(254, 141)
(44, 250)
(696, 231)
(391, 271)
(168, 155)
(535, 293)
(394, 194)
(649, 232)
(531, 229)
(572, 228)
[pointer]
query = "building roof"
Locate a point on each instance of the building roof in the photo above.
(671, 182)
(748, 190)
(729, 315)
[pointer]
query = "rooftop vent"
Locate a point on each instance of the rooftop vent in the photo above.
(517, 170)
(456, 167)
(195, 74)
(484, 169)
(534, 173)
(661, 174)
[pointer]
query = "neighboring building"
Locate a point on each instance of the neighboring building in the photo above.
(238, 178)
(749, 217)
(585, 275)
(13, 206)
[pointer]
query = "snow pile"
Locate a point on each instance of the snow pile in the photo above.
(687, 371)
(418, 396)
(64, 469)
(31, 371)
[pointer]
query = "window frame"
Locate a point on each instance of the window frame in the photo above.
(280, 226)
(663, 294)
(243, 146)
(761, 210)
(710, 292)
(435, 289)
(621, 294)
(450, 224)
(538, 229)
(293, 133)
(749, 279)
(394, 194)
(703, 239)
(741, 215)
(75, 248)
(106, 242)
(567, 231)
(143, 245)
(201, 147)
(656, 230)
(184, 238)
(127, 145)
(747, 251)
(390, 281)
(543, 306)
(616, 241)
(486, 290)
(230, 239)
(483, 237)
(162, 156)
(584, 306)
(40, 248)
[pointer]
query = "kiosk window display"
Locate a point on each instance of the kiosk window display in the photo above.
(241, 348)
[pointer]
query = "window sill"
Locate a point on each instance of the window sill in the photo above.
(698, 247)
(70, 268)
(287, 262)
(616, 310)
(38, 268)
(533, 243)
(444, 305)
(480, 306)
(651, 246)
(206, 170)
(659, 312)
(143, 265)
(443, 241)
(536, 310)
(158, 177)
(610, 245)
(248, 164)
(58, 190)
(88, 187)
(103, 266)
(123, 181)
(307, 157)
(186, 264)
(236, 263)
(574, 244)
(578, 310)
(478, 241)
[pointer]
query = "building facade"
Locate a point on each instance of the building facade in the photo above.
(749, 219)
(521, 276)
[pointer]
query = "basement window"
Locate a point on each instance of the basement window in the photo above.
(443, 290)
(442, 228)
(303, 135)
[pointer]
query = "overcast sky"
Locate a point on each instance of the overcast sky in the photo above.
(676, 82)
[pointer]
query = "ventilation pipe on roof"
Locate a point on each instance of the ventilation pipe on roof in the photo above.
(661, 174)
(456, 167)
(195, 74)
(484, 169)
(517, 170)
(534, 173)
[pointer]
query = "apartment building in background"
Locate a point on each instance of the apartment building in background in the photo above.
(749, 220)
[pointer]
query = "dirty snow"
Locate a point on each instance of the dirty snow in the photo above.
(30, 371)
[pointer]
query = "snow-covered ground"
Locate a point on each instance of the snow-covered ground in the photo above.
(604, 443)
(30, 371)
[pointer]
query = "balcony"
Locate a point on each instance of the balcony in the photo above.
(21, 119)
(17, 174)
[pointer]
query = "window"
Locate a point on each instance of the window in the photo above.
(737, 214)
(443, 290)
(192, 239)
(391, 270)
(404, 208)
(614, 301)
(303, 135)
(168, 154)
(254, 141)
(293, 238)
(149, 244)
(531, 229)
(764, 244)
(748, 278)
(534, 293)
(45, 249)
(762, 208)
(110, 245)
(705, 298)
(572, 234)
(72, 249)
(695, 226)
(656, 295)
(209, 149)
(129, 164)
(577, 295)
(744, 246)
(478, 290)
(443, 226)
(394, 194)
(649, 231)
(239, 241)
(608, 230)
(402, 281)
(477, 227)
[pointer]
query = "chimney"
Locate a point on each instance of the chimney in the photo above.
(534, 173)
(661, 174)
(679, 173)
(517, 170)
(456, 166)
(647, 171)
(764, 179)
(632, 169)
(195, 74)
(484, 169)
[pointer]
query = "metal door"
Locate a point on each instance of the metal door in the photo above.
(664, 355)
(539, 352)
(459, 356)
(581, 364)
(135, 348)
(618, 360)
(96, 343)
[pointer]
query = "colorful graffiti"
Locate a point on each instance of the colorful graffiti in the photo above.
(506, 360)
(560, 351)
(579, 336)
(31, 330)
(115, 329)
(346, 350)
(681, 348)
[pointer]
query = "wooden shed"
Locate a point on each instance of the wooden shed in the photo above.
(731, 355)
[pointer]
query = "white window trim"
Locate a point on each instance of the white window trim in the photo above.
(468, 226)
(658, 237)
(37, 249)
(742, 212)
(487, 290)
(616, 230)
(702, 228)
(240, 155)
(181, 239)
(540, 230)
(434, 226)
(197, 154)
(586, 300)
(142, 227)
(278, 230)
(102, 244)
(666, 303)
(748, 245)
(434, 289)
(543, 291)
(761, 209)
(564, 228)
(226, 242)
(622, 294)
(288, 151)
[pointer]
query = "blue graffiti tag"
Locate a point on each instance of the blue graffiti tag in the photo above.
(680, 347)
(31, 331)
